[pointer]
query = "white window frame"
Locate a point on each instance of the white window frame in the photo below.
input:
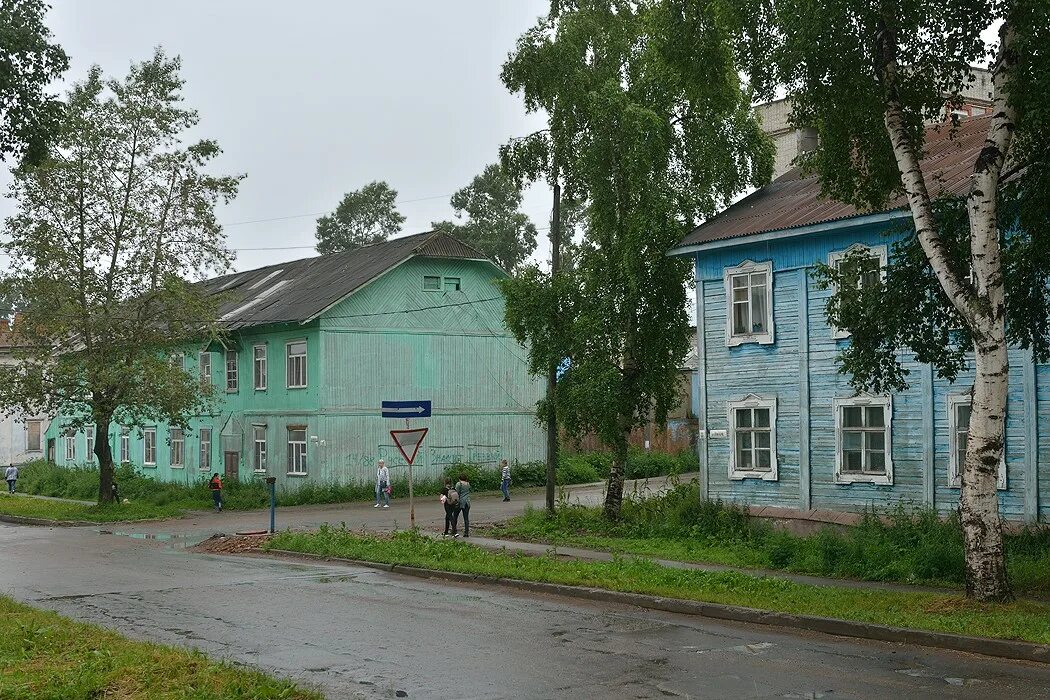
(178, 359)
(835, 257)
(232, 377)
(39, 435)
(749, 267)
(176, 448)
(89, 442)
(750, 402)
(297, 458)
(259, 367)
(288, 363)
(71, 446)
(204, 450)
(124, 444)
(204, 368)
(865, 400)
(149, 447)
(954, 468)
(259, 448)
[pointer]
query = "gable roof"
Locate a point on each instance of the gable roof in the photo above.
(794, 200)
(300, 290)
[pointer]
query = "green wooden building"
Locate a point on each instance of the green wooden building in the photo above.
(315, 346)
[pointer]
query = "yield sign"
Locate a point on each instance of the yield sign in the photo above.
(408, 442)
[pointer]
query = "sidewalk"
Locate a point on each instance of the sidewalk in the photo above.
(53, 498)
(539, 549)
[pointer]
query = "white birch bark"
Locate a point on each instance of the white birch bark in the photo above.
(983, 310)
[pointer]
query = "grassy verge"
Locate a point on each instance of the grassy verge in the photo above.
(900, 546)
(64, 511)
(44, 655)
(1024, 620)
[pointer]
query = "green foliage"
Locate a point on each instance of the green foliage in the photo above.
(899, 545)
(648, 127)
(29, 62)
(494, 223)
(109, 231)
(365, 216)
(950, 613)
(44, 655)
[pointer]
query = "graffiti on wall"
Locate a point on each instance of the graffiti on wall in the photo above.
(440, 455)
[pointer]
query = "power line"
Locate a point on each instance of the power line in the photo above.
(322, 213)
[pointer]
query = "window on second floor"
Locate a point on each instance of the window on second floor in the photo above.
(867, 262)
(204, 367)
(749, 303)
(296, 365)
(231, 370)
(431, 283)
(452, 284)
(259, 367)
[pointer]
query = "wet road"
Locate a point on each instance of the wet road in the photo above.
(362, 633)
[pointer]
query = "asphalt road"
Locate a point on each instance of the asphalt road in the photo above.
(363, 633)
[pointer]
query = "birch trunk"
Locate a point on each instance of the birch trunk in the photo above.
(617, 473)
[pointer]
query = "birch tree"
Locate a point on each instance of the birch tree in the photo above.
(870, 76)
(650, 127)
(111, 229)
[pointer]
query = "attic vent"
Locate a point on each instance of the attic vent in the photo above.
(254, 301)
(268, 277)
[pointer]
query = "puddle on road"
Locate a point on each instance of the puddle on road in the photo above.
(173, 541)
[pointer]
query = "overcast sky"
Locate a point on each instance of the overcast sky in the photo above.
(313, 98)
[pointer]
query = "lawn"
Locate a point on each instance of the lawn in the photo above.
(65, 511)
(900, 546)
(44, 655)
(1025, 620)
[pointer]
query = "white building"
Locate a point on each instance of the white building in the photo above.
(21, 439)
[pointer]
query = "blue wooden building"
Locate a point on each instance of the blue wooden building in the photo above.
(778, 425)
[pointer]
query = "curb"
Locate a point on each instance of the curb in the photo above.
(985, 646)
(26, 520)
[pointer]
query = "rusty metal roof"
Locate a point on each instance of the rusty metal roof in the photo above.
(794, 200)
(299, 290)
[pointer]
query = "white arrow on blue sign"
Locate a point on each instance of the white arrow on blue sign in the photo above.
(406, 409)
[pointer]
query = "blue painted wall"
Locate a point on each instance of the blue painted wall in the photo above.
(919, 415)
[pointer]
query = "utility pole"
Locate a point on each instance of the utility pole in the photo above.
(552, 372)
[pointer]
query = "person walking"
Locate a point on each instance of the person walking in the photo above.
(216, 491)
(505, 483)
(450, 499)
(462, 490)
(382, 484)
(11, 474)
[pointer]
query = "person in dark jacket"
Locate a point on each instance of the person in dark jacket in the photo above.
(462, 488)
(216, 491)
(451, 509)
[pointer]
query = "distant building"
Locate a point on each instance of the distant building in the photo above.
(21, 437)
(778, 424)
(315, 346)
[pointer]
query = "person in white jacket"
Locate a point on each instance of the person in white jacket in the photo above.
(11, 474)
(382, 484)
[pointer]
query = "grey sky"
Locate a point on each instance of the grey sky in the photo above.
(311, 99)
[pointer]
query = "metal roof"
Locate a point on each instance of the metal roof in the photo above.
(300, 290)
(794, 200)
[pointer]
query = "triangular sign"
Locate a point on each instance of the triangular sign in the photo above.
(408, 442)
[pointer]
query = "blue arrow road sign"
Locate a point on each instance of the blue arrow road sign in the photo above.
(406, 409)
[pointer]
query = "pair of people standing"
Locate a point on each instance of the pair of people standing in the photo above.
(382, 484)
(456, 500)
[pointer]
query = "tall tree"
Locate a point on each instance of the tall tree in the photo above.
(29, 61)
(973, 275)
(109, 229)
(495, 225)
(365, 216)
(649, 124)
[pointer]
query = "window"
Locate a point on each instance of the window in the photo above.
(259, 367)
(753, 443)
(259, 451)
(431, 283)
(452, 284)
(204, 365)
(862, 440)
(296, 368)
(71, 446)
(436, 283)
(125, 445)
(178, 359)
(958, 430)
(231, 370)
(34, 428)
(178, 448)
(149, 447)
(204, 460)
(89, 434)
(749, 298)
(870, 269)
(297, 449)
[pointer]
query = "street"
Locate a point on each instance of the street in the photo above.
(362, 633)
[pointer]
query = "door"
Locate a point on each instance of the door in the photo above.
(51, 450)
(231, 462)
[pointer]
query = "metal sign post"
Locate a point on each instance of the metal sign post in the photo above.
(408, 442)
